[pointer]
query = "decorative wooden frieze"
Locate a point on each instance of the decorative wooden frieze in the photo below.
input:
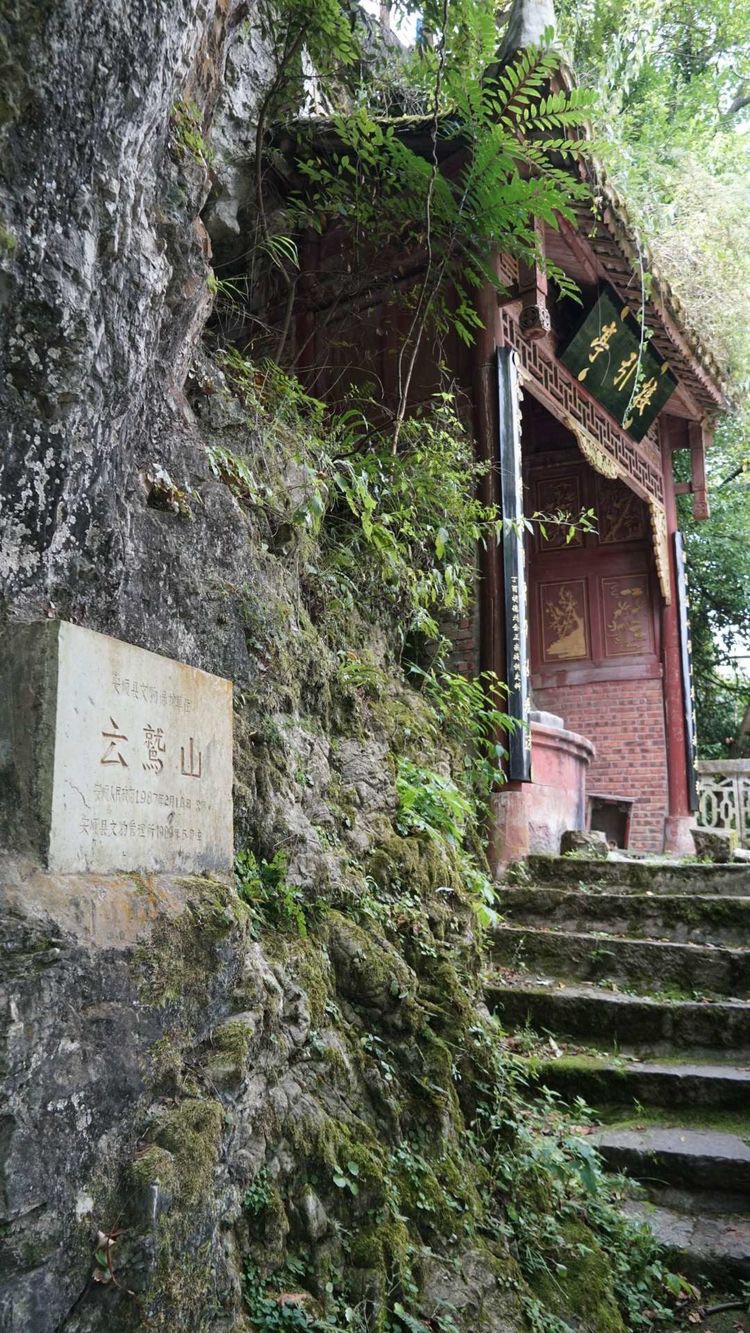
(640, 463)
(609, 450)
(507, 270)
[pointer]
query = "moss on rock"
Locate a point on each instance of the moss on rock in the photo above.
(191, 1132)
(581, 1286)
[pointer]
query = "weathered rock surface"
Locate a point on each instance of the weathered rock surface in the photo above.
(591, 844)
(715, 844)
(103, 298)
(194, 1093)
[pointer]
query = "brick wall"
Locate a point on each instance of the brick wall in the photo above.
(464, 639)
(625, 720)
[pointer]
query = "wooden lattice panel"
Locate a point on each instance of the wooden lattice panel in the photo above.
(508, 270)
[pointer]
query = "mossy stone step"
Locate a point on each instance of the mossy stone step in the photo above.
(700, 1159)
(646, 965)
(663, 876)
(682, 918)
(603, 1082)
(702, 1244)
(634, 1021)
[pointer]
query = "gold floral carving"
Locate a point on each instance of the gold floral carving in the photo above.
(660, 538)
(563, 618)
(626, 610)
(620, 512)
(600, 460)
(559, 495)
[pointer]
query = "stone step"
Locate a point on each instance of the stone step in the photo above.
(653, 965)
(683, 918)
(636, 876)
(704, 1245)
(608, 1082)
(699, 1158)
(601, 1016)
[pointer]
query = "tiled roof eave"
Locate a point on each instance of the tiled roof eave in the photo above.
(607, 229)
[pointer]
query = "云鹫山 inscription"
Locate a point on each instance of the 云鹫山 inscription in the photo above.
(133, 755)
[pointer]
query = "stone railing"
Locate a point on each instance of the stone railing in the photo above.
(724, 794)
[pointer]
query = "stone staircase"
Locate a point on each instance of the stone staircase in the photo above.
(629, 984)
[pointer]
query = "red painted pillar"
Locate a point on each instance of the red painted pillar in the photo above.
(679, 818)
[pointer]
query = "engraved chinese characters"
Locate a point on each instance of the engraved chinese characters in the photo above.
(514, 576)
(140, 753)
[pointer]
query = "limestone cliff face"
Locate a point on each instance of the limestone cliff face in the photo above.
(215, 1117)
(103, 265)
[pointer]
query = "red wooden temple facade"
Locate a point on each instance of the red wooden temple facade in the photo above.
(606, 648)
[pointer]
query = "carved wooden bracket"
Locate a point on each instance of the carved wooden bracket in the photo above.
(700, 438)
(534, 319)
(699, 435)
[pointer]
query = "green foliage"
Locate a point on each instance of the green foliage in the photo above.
(469, 709)
(235, 472)
(554, 1185)
(355, 673)
(257, 1195)
(186, 125)
(718, 556)
(362, 172)
(396, 532)
(401, 528)
(345, 1178)
(263, 886)
(271, 1309)
(431, 804)
(267, 1312)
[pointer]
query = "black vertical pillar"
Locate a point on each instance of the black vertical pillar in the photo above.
(516, 615)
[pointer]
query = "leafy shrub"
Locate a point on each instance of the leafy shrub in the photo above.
(431, 804)
(263, 886)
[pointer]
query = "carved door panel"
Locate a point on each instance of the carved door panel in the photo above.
(594, 608)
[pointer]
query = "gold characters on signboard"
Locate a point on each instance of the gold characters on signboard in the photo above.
(627, 370)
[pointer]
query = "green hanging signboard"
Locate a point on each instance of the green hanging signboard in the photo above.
(605, 355)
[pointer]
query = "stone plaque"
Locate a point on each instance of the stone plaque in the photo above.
(111, 757)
